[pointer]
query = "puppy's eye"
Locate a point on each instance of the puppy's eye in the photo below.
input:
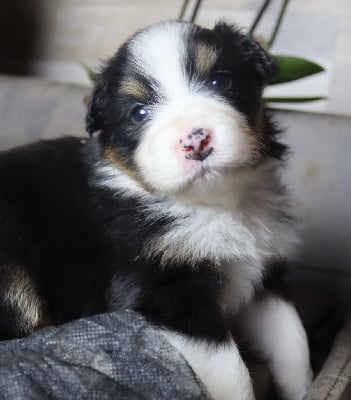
(221, 81)
(140, 113)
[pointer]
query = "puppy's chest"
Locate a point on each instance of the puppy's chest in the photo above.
(240, 247)
(237, 245)
(221, 237)
(241, 279)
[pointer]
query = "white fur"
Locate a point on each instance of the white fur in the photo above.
(161, 162)
(239, 229)
(236, 224)
(159, 52)
(238, 218)
(220, 367)
(272, 327)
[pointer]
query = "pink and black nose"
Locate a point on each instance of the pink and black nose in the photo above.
(196, 144)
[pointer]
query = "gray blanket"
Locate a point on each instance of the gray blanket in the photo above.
(112, 356)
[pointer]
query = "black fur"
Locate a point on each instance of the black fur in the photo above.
(81, 244)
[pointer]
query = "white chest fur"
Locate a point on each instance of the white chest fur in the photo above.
(240, 235)
(238, 224)
(240, 245)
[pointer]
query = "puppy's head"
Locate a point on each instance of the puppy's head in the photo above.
(179, 105)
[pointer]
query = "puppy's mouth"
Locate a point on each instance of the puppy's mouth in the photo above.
(199, 168)
(192, 154)
(197, 148)
(199, 171)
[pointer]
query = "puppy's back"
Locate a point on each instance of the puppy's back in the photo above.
(48, 237)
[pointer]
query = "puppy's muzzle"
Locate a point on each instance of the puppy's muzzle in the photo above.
(197, 144)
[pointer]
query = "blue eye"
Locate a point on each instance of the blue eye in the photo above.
(140, 113)
(221, 81)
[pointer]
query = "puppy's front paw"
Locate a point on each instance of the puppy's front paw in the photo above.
(295, 381)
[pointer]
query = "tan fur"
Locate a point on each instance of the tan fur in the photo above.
(112, 157)
(134, 88)
(22, 295)
(206, 58)
(116, 160)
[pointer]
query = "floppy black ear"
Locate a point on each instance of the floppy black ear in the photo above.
(252, 51)
(94, 119)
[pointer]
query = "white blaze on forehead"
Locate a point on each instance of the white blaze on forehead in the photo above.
(159, 53)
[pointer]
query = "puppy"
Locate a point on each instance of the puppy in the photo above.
(173, 207)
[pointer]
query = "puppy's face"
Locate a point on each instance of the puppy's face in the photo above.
(179, 106)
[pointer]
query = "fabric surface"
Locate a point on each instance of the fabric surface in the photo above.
(334, 380)
(111, 356)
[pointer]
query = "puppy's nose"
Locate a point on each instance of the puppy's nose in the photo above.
(196, 144)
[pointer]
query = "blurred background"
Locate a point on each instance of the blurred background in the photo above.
(50, 38)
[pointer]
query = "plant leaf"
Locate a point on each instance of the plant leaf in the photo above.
(93, 75)
(304, 99)
(292, 68)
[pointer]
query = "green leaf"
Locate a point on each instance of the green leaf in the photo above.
(93, 75)
(293, 99)
(292, 68)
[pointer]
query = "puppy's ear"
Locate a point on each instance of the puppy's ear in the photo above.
(252, 51)
(94, 119)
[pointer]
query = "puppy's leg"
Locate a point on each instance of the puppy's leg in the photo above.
(272, 327)
(219, 366)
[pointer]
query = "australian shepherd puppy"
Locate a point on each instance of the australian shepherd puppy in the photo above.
(173, 207)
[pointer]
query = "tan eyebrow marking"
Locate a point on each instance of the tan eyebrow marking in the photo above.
(205, 58)
(134, 88)
(112, 157)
